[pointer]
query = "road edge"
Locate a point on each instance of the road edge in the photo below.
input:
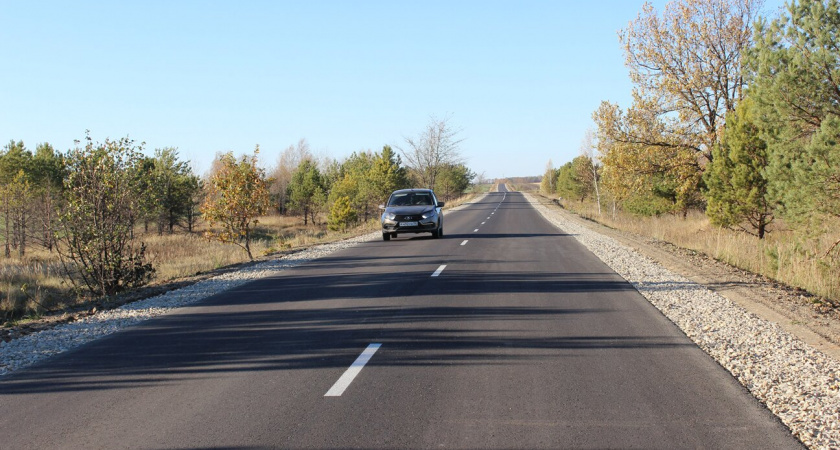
(798, 383)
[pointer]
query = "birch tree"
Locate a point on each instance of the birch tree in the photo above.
(435, 147)
(589, 166)
(549, 179)
(287, 163)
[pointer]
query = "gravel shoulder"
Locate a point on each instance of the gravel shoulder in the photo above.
(797, 382)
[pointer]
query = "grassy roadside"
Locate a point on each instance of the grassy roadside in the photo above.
(36, 286)
(783, 256)
(34, 289)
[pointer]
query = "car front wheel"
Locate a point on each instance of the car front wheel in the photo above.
(386, 236)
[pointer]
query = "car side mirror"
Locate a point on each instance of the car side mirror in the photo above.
(440, 204)
(381, 206)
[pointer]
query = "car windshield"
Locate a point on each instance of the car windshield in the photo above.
(411, 199)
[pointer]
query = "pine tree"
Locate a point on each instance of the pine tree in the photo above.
(736, 185)
(797, 73)
(341, 214)
(387, 174)
(306, 190)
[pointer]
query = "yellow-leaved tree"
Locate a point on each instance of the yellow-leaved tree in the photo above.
(686, 67)
(237, 195)
(688, 63)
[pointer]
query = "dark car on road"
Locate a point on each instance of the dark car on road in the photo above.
(412, 211)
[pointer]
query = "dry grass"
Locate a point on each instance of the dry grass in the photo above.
(180, 255)
(480, 188)
(783, 255)
(524, 187)
(37, 284)
(33, 283)
(466, 198)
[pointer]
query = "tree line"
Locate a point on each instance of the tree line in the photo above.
(733, 113)
(350, 191)
(91, 203)
(86, 204)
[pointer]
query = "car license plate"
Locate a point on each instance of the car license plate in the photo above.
(408, 224)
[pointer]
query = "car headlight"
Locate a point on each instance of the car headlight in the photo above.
(429, 214)
(389, 216)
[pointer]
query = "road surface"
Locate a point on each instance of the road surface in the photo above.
(521, 339)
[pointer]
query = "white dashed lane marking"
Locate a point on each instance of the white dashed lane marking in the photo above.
(350, 374)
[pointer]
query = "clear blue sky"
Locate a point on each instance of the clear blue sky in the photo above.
(521, 78)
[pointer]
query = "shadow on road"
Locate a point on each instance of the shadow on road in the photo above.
(287, 323)
(328, 311)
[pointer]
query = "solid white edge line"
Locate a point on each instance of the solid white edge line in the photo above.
(465, 242)
(439, 270)
(338, 388)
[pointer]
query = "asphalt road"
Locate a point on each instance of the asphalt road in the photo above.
(523, 340)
